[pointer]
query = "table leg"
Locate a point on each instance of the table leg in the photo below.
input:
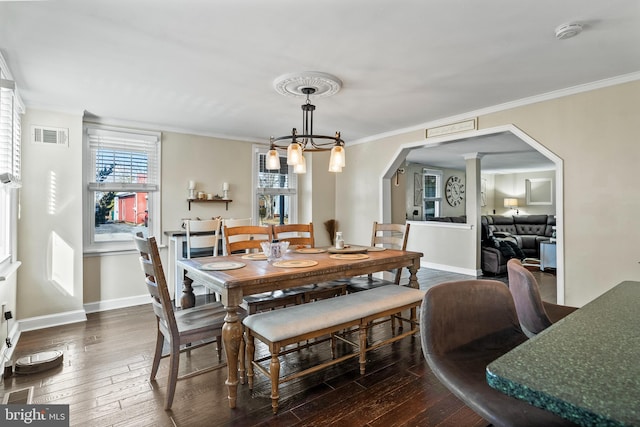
(232, 338)
(413, 278)
(188, 298)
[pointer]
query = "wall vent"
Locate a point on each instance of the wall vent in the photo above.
(49, 136)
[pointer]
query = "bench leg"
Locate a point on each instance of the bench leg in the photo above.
(364, 328)
(251, 356)
(274, 370)
(242, 360)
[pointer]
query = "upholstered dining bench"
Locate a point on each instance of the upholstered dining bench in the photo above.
(282, 327)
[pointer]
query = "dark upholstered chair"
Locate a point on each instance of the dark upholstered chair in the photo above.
(534, 314)
(464, 326)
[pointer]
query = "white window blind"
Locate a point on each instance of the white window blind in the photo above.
(123, 160)
(10, 111)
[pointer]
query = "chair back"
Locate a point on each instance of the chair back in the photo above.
(202, 241)
(526, 295)
(295, 234)
(391, 236)
(455, 314)
(253, 235)
(151, 265)
(234, 222)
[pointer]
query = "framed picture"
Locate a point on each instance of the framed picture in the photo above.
(417, 189)
(539, 191)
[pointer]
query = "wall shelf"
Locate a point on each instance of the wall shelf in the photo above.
(225, 201)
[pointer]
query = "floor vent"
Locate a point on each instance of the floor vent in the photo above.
(49, 135)
(19, 397)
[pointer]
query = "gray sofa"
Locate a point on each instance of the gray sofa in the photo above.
(527, 231)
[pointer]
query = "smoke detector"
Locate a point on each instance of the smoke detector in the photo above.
(566, 31)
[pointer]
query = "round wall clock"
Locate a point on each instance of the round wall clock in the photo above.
(454, 191)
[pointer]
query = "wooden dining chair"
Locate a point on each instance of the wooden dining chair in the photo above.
(388, 236)
(251, 237)
(298, 235)
(182, 330)
(202, 244)
(233, 222)
(464, 326)
(534, 314)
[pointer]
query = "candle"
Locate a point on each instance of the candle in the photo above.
(225, 186)
(192, 185)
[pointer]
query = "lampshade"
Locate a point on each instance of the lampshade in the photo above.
(273, 159)
(511, 203)
(301, 167)
(337, 159)
(294, 153)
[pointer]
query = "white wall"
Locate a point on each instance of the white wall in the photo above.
(50, 223)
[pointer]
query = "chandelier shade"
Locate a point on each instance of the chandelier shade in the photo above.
(297, 144)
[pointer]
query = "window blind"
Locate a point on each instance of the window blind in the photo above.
(123, 160)
(9, 129)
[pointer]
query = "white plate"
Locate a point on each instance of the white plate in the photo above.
(222, 265)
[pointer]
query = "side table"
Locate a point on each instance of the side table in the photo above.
(547, 255)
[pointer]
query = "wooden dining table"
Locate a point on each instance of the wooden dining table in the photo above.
(586, 367)
(256, 276)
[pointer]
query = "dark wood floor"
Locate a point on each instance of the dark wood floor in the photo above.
(105, 380)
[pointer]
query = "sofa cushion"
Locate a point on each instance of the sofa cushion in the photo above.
(530, 224)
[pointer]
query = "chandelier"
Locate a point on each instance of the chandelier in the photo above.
(306, 84)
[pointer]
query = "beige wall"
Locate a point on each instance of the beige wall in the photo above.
(50, 279)
(594, 133)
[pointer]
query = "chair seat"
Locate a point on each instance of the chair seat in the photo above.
(204, 319)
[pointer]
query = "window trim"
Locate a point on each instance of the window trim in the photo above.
(90, 186)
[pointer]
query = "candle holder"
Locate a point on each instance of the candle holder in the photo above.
(225, 191)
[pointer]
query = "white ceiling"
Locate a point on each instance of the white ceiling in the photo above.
(207, 66)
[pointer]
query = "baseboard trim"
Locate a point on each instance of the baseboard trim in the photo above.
(112, 304)
(58, 319)
(452, 269)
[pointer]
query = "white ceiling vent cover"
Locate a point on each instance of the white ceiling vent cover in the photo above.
(49, 136)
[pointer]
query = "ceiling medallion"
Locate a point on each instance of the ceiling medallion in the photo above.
(306, 84)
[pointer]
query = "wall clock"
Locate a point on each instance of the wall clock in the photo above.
(454, 191)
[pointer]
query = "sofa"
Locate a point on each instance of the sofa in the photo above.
(525, 231)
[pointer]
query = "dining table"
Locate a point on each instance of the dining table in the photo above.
(584, 368)
(234, 276)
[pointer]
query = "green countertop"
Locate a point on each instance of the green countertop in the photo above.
(586, 367)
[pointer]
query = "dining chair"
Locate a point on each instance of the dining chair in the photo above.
(465, 325)
(388, 236)
(182, 330)
(534, 314)
(233, 222)
(298, 235)
(202, 244)
(252, 236)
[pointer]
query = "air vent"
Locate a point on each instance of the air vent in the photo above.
(49, 136)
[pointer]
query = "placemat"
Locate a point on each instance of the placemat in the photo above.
(348, 250)
(222, 265)
(349, 256)
(310, 250)
(375, 249)
(295, 263)
(255, 257)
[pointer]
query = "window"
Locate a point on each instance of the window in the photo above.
(276, 196)
(122, 173)
(432, 192)
(11, 109)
